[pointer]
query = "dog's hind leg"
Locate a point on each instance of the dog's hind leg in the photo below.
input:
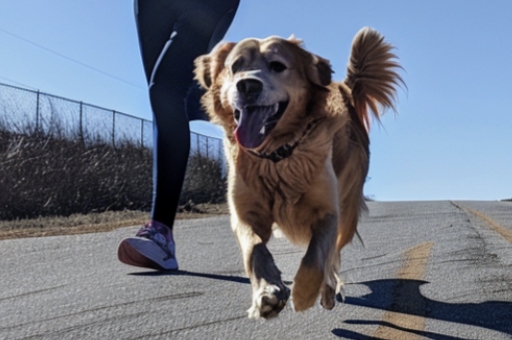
(318, 264)
(352, 204)
(269, 293)
(350, 210)
(334, 288)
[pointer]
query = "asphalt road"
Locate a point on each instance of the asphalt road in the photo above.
(427, 270)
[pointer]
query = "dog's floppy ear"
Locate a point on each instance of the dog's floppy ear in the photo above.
(319, 71)
(202, 70)
(208, 66)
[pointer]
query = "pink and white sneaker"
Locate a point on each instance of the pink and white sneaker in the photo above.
(152, 247)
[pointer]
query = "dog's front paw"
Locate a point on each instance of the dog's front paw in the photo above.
(306, 287)
(327, 300)
(268, 301)
(329, 294)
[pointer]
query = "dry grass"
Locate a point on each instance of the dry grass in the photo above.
(96, 222)
(45, 175)
(69, 168)
(48, 176)
(59, 185)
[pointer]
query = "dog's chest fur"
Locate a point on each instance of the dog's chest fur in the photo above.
(286, 180)
(282, 184)
(281, 192)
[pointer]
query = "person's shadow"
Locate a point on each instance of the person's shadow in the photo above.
(493, 315)
(230, 278)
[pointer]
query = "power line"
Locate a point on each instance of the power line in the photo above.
(18, 83)
(70, 59)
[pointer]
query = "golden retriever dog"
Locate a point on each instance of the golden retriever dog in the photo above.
(298, 150)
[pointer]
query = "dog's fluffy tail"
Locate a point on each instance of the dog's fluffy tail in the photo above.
(372, 75)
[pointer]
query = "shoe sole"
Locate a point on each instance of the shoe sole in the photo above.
(128, 254)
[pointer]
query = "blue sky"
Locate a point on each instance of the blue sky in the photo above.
(451, 138)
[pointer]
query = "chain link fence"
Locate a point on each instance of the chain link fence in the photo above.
(23, 110)
(60, 157)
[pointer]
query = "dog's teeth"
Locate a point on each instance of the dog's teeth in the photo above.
(276, 108)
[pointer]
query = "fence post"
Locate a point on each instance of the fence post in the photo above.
(142, 133)
(114, 128)
(81, 126)
(37, 112)
(197, 145)
(219, 146)
(207, 147)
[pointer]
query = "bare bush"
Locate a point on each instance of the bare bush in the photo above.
(204, 181)
(44, 175)
(60, 157)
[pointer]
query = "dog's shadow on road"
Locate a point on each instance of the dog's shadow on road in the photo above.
(493, 315)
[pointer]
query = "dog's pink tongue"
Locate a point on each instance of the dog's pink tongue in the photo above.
(250, 132)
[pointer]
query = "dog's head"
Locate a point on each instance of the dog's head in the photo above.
(257, 86)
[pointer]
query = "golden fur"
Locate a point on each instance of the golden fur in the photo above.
(314, 192)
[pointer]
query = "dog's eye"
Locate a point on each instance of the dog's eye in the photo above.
(237, 65)
(276, 66)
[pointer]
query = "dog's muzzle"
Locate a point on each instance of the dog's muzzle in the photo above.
(255, 122)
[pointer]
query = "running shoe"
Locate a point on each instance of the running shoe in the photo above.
(152, 247)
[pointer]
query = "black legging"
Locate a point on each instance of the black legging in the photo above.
(172, 33)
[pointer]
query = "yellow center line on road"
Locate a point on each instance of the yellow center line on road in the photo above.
(507, 234)
(413, 268)
(495, 226)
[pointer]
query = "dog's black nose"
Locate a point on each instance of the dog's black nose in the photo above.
(249, 88)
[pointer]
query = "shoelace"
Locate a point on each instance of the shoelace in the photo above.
(158, 233)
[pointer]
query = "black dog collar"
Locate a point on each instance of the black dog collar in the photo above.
(285, 151)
